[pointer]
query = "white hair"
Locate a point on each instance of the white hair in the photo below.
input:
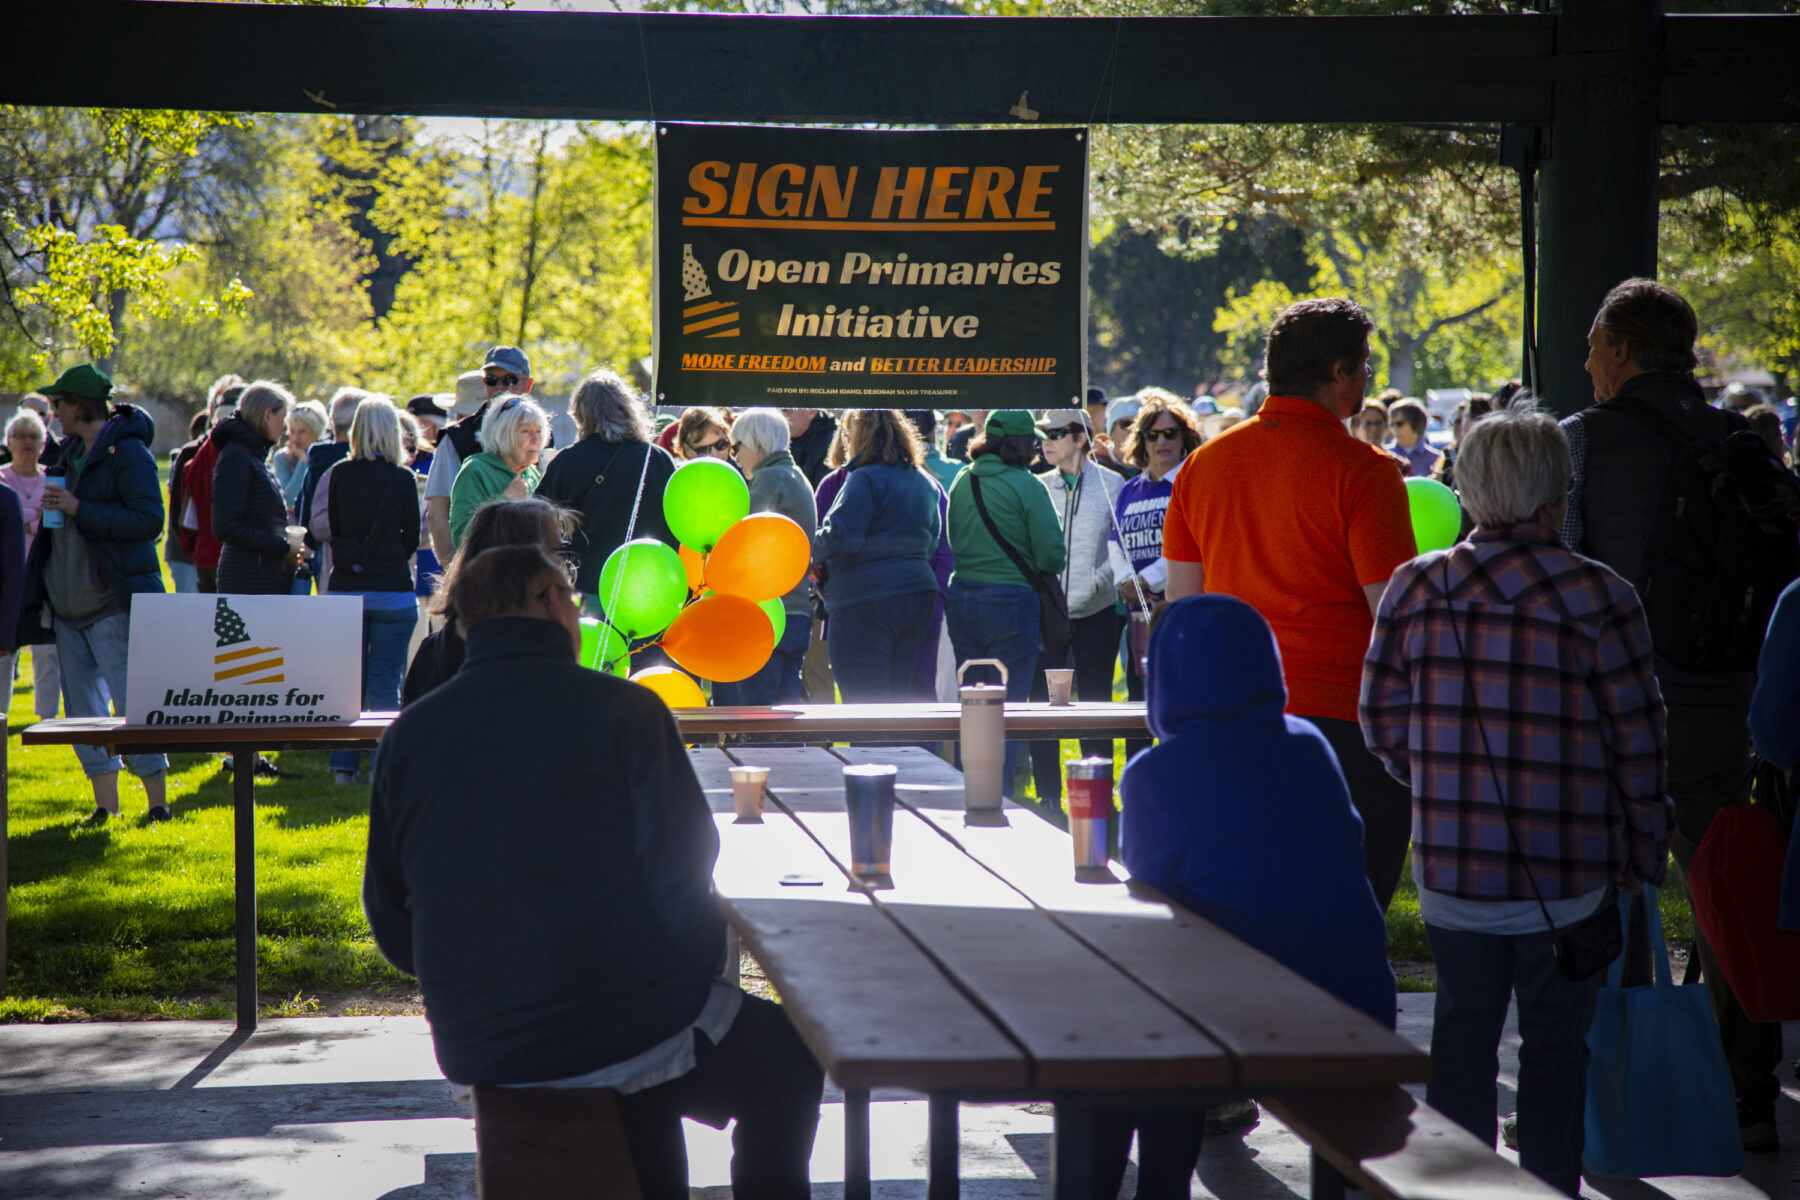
(607, 407)
(311, 414)
(1512, 463)
(375, 431)
(763, 428)
(343, 408)
(500, 428)
(24, 419)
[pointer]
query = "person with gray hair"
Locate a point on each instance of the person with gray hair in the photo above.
(305, 426)
(1509, 685)
(760, 441)
(512, 440)
(249, 513)
(612, 478)
(367, 512)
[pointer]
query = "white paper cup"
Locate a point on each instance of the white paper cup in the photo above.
(296, 536)
(1058, 681)
(747, 787)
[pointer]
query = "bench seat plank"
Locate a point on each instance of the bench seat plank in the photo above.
(873, 1009)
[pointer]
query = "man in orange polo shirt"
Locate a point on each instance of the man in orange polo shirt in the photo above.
(1292, 515)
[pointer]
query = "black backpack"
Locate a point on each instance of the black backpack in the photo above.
(1725, 542)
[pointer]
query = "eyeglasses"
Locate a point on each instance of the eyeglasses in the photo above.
(737, 447)
(507, 380)
(711, 447)
(1162, 435)
(1057, 435)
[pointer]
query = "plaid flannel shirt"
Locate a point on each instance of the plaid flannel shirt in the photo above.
(1557, 655)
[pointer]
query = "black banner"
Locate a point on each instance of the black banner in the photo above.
(834, 268)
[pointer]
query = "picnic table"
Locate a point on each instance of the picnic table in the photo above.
(988, 971)
(791, 723)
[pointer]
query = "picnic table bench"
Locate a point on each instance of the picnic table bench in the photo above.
(988, 971)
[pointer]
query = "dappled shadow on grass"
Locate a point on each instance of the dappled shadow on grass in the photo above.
(55, 850)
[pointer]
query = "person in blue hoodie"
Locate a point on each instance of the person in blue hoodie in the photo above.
(1241, 814)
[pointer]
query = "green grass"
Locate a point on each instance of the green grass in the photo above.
(136, 919)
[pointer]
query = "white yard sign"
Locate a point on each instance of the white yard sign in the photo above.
(244, 660)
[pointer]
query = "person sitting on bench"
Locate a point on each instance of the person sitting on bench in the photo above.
(1241, 814)
(550, 884)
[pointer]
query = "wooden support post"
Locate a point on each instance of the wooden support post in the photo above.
(856, 1144)
(243, 805)
(1598, 182)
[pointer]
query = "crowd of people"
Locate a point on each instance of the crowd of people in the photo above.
(1325, 698)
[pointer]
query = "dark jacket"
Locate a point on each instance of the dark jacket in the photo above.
(12, 569)
(809, 448)
(178, 547)
(249, 514)
(599, 480)
(879, 536)
(121, 514)
(439, 656)
(554, 896)
(319, 458)
(1621, 466)
(374, 526)
(1269, 848)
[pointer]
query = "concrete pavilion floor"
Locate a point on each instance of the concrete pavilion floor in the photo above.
(354, 1109)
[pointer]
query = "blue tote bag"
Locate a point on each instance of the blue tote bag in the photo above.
(1659, 1094)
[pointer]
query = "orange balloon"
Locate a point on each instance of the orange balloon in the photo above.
(695, 562)
(677, 690)
(720, 637)
(763, 556)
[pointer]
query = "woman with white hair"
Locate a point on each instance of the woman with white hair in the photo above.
(25, 437)
(305, 425)
(249, 513)
(760, 441)
(614, 473)
(512, 441)
(1510, 685)
(367, 510)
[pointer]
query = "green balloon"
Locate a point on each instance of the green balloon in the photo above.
(602, 649)
(704, 498)
(1436, 516)
(777, 616)
(642, 587)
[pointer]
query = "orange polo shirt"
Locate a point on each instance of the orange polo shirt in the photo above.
(1292, 515)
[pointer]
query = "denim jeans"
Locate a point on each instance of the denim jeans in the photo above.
(386, 635)
(186, 578)
(1477, 973)
(997, 620)
(93, 670)
(874, 645)
(778, 682)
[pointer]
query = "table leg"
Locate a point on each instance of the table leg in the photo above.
(243, 805)
(856, 1144)
(944, 1149)
(1072, 1152)
(1327, 1183)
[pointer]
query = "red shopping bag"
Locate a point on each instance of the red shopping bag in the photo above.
(1735, 883)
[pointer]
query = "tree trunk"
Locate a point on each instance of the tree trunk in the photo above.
(115, 318)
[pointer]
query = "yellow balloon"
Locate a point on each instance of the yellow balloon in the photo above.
(676, 689)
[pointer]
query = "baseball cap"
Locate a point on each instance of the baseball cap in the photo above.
(428, 405)
(1123, 409)
(1062, 418)
(86, 381)
(1012, 422)
(508, 358)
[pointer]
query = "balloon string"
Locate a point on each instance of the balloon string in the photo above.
(611, 606)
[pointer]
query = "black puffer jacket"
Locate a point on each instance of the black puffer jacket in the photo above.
(249, 514)
(374, 526)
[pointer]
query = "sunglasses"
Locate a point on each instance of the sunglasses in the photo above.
(511, 404)
(1160, 435)
(507, 380)
(711, 447)
(1057, 435)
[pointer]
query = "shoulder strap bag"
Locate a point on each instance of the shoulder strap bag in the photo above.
(1053, 604)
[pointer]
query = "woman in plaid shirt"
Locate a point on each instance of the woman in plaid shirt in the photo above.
(1511, 670)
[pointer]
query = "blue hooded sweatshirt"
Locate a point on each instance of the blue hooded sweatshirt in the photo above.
(1241, 812)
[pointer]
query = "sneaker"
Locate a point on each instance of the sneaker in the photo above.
(1232, 1117)
(1509, 1130)
(160, 813)
(97, 818)
(268, 768)
(1758, 1134)
(343, 776)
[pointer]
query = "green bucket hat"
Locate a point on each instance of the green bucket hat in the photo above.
(86, 380)
(1012, 422)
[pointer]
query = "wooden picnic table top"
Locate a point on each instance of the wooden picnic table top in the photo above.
(784, 722)
(988, 966)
